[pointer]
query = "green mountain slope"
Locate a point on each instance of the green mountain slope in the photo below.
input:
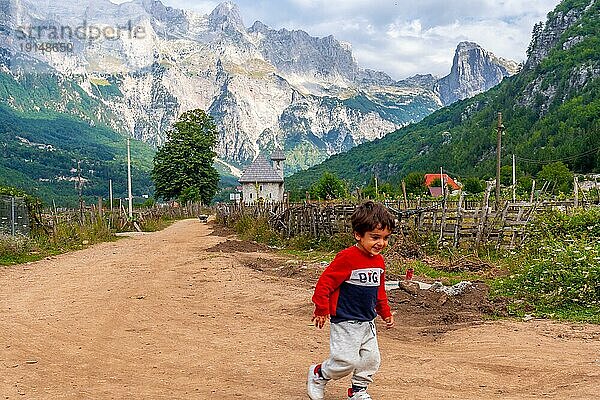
(38, 93)
(47, 124)
(551, 111)
(40, 153)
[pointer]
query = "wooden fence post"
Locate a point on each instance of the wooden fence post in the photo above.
(483, 215)
(443, 222)
(100, 210)
(404, 194)
(458, 225)
(576, 191)
(502, 225)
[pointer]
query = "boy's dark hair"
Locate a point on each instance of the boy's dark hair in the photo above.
(370, 216)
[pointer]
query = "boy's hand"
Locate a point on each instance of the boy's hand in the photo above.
(320, 320)
(389, 322)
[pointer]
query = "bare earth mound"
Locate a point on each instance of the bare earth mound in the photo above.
(159, 316)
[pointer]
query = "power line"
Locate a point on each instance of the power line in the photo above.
(574, 157)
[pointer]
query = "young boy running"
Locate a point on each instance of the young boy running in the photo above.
(351, 292)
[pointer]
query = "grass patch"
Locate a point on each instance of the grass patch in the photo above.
(422, 269)
(257, 230)
(16, 249)
(67, 236)
(155, 225)
(309, 256)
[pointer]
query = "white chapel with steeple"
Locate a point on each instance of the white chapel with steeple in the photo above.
(262, 181)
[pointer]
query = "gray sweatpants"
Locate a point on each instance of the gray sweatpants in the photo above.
(353, 350)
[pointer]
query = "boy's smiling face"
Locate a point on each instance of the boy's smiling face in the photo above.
(373, 242)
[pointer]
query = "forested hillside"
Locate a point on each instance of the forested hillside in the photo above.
(550, 110)
(40, 154)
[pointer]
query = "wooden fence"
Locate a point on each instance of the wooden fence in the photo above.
(117, 218)
(450, 222)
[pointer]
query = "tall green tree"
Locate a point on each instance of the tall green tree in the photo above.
(183, 166)
(473, 185)
(415, 183)
(559, 176)
(328, 187)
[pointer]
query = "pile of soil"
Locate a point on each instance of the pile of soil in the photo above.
(220, 230)
(306, 273)
(438, 312)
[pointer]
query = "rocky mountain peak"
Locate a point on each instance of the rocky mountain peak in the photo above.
(299, 56)
(425, 81)
(258, 26)
(159, 11)
(226, 16)
(474, 70)
(64, 11)
(566, 27)
(468, 46)
(371, 77)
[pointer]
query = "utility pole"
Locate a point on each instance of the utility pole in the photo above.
(79, 187)
(110, 194)
(442, 181)
(514, 176)
(130, 198)
(498, 156)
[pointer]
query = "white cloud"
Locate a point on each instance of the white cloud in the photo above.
(404, 28)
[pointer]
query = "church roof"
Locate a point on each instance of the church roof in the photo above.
(277, 155)
(260, 170)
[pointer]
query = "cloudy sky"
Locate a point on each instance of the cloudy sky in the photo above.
(401, 37)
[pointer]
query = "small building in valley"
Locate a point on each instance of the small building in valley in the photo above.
(436, 191)
(262, 181)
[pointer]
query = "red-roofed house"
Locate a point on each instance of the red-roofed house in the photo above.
(429, 178)
(437, 191)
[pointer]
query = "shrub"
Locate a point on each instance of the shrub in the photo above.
(558, 271)
(256, 229)
(473, 185)
(13, 248)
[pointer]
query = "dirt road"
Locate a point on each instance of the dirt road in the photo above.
(157, 316)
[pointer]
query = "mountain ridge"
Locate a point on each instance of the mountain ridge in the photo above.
(248, 79)
(549, 111)
(187, 60)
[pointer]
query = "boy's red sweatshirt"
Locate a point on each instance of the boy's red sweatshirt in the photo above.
(352, 287)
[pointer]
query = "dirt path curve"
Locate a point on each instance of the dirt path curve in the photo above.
(156, 316)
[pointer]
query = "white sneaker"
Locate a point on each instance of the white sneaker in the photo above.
(315, 385)
(360, 395)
